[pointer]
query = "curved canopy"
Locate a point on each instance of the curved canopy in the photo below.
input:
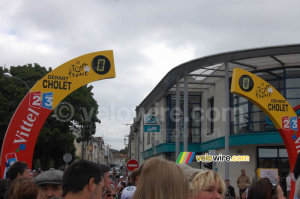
(206, 71)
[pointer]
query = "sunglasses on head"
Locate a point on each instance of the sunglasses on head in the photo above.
(109, 195)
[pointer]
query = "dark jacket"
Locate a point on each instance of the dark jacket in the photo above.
(230, 191)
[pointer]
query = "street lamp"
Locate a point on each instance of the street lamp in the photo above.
(8, 75)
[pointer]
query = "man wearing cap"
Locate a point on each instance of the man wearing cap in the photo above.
(50, 184)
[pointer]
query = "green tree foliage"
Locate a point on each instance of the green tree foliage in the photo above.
(124, 151)
(56, 137)
(51, 164)
(37, 164)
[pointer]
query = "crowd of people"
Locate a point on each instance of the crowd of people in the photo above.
(156, 179)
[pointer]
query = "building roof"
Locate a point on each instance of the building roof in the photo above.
(206, 71)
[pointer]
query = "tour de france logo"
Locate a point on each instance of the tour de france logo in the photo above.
(246, 83)
(101, 65)
(264, 90)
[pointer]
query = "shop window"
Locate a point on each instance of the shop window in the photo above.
(194, 125)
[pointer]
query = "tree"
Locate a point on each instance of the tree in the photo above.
(56, 137)
(124, 151)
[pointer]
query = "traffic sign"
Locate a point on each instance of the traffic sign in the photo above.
(67, 157)
(132, 164)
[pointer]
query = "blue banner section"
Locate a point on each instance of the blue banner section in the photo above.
(151, 128)
(47, 100)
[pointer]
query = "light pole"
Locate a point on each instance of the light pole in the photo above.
(8, 75)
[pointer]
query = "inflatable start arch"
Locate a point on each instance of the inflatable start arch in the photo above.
(46, 94)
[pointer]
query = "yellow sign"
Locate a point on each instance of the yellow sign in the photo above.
(75, 73)
(266, 97)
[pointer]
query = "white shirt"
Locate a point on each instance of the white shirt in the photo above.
(288, 182)
(128, 192)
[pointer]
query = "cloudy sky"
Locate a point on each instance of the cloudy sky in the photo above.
(148, 38)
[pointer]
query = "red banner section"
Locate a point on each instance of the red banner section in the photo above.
(23, 132)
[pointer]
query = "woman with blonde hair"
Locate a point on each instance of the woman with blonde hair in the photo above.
(161, 179)
(206, 185)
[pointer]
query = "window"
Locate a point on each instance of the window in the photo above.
(274, 157)
(210, 107)
(194, 104)
(148, 138)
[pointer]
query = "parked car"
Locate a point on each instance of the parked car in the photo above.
(121, 166)
(113, 165)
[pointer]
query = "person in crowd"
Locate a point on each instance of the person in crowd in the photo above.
(242, 180)
(3, 187)
(229, 189)
(38, 172)
(243, 195)
(123, 186)
(297, 167)
(296, 177)
(30, 172)
(114, 172)
(207, 184)
(49, 184)
(161, 179)
(119, 186)
(247, 188)
(23, 188)
(189, 171)
(288, 184)
(107, 180)
(110, 194)
(297, 192)
(265, 189)
(83, 179)
(255, 177)
(128, 192)
(129, 181)
(17, 170)
(136, 175)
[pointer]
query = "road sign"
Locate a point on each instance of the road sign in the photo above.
(67, 157)
(132, 164)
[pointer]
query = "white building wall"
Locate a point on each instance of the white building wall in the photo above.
(147, 140)
(236, 167)
(217, 92)
(95, 152)
(78, 147)
(102, 155)
(160, 110)
(142, 138)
